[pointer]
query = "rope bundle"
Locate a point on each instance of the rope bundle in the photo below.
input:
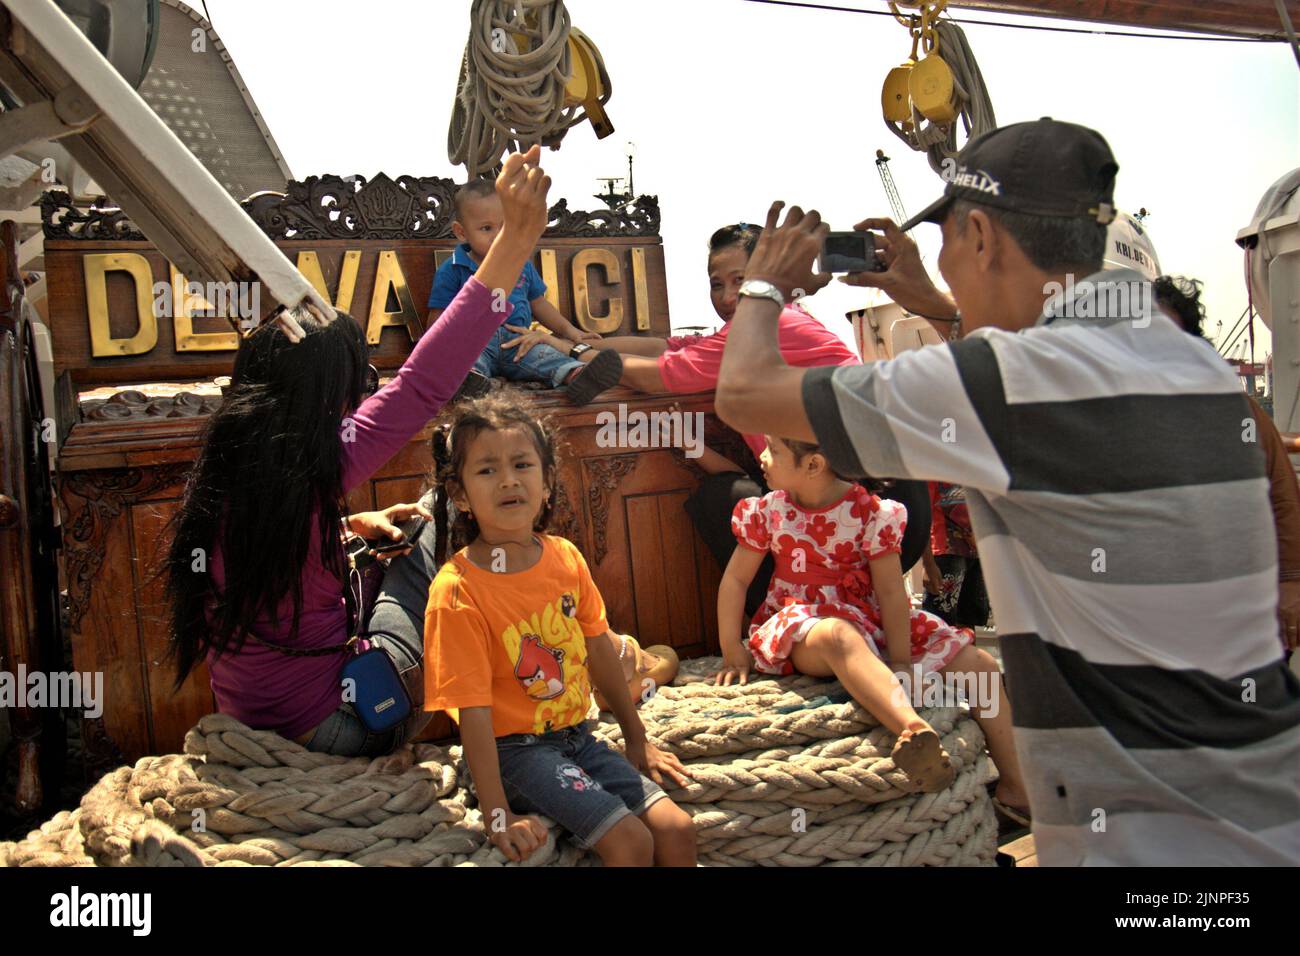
(505, 95)
(784, 775)
(938, 141)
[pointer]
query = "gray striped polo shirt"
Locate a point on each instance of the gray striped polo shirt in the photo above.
(1122, 514)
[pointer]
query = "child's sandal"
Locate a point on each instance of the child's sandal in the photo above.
(602, 372)
(921, 756)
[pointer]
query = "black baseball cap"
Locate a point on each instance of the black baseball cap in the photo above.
(1042, 168)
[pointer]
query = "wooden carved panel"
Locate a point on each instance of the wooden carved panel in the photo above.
(353, 207)
(603, 477)
(93, 499)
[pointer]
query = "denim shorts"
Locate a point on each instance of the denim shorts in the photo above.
(573, 778)
(342, 733)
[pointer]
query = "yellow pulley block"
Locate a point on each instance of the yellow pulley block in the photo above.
(586, 85)
(895, 99)
(933, 92)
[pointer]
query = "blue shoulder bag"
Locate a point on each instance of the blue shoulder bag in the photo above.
(370, 681)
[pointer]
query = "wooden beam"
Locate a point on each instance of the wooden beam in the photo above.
(1235, 17)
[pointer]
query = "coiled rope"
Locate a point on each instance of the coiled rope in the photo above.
(786, 772)
(975, 106)
(507, 98)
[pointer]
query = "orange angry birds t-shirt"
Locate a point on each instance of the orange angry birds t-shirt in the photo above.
(513, 642)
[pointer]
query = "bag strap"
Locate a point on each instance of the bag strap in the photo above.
(305, 652)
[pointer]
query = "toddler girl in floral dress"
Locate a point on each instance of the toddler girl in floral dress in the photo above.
(837, 606)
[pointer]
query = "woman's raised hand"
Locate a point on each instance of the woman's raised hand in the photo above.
(785, 253)
(522, 188)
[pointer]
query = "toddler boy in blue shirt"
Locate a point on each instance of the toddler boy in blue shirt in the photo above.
(477, 219)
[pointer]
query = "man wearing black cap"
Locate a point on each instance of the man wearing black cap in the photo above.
(1118, 499)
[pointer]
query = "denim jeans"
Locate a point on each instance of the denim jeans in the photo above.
(575, 779)
(541, 364)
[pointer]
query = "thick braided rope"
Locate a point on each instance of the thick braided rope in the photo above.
(786, 773)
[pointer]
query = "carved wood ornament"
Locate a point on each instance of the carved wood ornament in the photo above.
(352, 207)
(604, 476)
(91, 500)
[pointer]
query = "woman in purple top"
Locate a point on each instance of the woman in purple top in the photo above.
(256, 571)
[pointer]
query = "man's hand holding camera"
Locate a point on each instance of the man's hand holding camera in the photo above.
(784, 254)
(904, 278)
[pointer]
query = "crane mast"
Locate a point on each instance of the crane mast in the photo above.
(891, 191)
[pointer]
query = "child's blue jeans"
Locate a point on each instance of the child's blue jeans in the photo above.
(541, 364)
(573, 778)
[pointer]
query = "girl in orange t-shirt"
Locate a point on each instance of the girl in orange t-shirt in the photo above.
(515, 635)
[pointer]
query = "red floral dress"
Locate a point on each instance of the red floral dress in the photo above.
(822, 571)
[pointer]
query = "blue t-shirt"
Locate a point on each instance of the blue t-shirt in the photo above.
(455, 272)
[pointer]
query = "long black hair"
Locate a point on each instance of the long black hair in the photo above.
(268, 476)
(456, 429)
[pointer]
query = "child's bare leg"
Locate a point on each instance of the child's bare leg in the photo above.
(628, 843)
(994, 716)
(673, 832)
(836, 648)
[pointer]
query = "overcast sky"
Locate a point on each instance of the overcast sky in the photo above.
(733, 104)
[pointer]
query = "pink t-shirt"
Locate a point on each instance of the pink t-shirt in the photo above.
(691, 363)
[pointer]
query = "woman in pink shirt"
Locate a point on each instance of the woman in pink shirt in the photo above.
(256, 571)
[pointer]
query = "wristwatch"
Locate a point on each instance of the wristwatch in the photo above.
(579, 349)
(762, 289)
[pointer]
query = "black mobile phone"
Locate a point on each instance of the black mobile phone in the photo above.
(850, 252)
(410, 529)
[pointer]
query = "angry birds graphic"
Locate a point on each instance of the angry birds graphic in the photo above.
(540, 669)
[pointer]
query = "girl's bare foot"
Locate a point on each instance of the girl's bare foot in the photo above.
(919, 754)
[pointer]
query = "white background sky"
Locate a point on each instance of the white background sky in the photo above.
(733, 104)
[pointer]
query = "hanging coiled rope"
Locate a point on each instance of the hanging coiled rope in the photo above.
(926, 124)
(517, 83)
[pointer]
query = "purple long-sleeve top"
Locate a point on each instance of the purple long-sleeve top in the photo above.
(268, 690)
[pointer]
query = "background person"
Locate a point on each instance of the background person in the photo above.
(477, 219)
